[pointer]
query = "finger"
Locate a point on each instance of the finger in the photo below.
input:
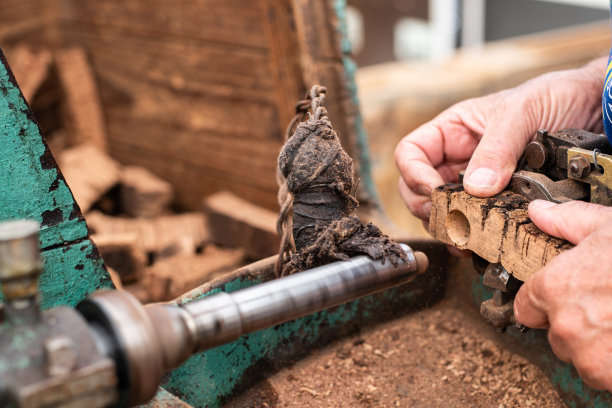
(571, 221)
(510, 127)
(419, 205)
(414, 164)
(528, 308)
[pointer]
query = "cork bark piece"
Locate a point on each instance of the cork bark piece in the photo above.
(89, 173)
(85, 118)
(30, 68)
(235, 222)
(122, 253)
(143, 194)
(497, 228)
(161, 236)
(172, 277)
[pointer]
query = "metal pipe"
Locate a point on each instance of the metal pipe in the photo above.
(224, 317)
(148, 341)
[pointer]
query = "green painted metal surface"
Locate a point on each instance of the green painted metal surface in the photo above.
(32, 187)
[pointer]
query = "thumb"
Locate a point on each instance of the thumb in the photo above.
(508, 130)
(571, 221)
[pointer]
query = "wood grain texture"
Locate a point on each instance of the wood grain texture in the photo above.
(497, 229)
(200, 93)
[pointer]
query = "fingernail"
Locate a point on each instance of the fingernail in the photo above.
(542, 204)
(426, 208)
(422, 189)
(482, 177)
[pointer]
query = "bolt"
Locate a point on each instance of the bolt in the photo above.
(60, 355)
(579, 167)
(536, 155)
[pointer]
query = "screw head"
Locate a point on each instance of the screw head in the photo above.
(579, 167)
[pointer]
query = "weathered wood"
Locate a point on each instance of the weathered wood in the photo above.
(235, 222)
(172, 277)
(143, 194)
(122, 253)
(85, 122)
(228, 86)
(89, 172)
(498, 229)
(30, 68)
(160, 237)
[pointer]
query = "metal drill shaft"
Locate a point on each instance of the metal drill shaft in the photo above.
(147, 341)
(226, 316)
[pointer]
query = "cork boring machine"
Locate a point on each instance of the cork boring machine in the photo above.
(113, 351)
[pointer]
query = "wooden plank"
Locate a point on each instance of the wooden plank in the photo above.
(200, 163)
(497, 228)
(143, 194)
(235, 222)
(227, 22)
(89, 172)
(284, 61)
(183, 64)
(85, 122)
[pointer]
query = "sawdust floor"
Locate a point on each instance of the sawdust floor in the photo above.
(441, 357)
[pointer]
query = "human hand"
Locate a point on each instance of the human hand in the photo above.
(493, 131)
(572, 294)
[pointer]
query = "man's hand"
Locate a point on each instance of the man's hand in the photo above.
(572, 295)
(493, 131)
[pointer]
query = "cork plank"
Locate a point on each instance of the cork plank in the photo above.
(497, 228)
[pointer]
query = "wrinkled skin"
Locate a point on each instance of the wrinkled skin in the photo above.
(572, 295)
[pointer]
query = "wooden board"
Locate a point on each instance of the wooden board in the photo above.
(205, 101)
(498, 229)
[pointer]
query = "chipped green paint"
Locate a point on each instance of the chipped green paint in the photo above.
(563, 376)
(206, 379)
(32, 187)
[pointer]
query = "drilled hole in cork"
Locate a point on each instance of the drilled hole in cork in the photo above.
(458, 228)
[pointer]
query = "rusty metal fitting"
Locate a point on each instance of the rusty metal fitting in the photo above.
(579, 167)
(536, 154)
(20, 262)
